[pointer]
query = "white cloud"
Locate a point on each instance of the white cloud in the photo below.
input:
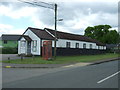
(10, 11)
(9, 29)
(76, 16)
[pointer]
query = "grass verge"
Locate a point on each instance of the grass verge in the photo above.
(64, 59)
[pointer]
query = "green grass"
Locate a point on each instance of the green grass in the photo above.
(64, 59)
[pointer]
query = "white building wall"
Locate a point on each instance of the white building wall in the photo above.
(62, 43)
(22, 49)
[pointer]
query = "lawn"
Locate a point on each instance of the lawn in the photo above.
(64, 59)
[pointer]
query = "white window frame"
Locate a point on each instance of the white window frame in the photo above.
(34, 46)
(91, 46)
(77, 45)
(68, 44)
(23, 43)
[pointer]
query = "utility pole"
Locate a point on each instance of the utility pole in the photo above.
(55, 40)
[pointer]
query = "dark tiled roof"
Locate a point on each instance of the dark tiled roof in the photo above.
(10, 37)
(27, 38)
(69, 36)
(62, 35)
(41, 33)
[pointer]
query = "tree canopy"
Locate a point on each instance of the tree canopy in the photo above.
(103, 34)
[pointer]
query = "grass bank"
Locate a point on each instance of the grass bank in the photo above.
(64, 59)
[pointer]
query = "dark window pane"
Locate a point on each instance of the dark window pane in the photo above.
(5, 42)
(84, 45)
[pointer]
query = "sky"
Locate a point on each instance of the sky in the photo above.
(77, 15)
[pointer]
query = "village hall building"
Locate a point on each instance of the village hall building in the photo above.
(31, 42)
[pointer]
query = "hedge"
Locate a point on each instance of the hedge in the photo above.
(8, 50)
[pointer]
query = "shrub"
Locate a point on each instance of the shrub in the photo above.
(9, 50)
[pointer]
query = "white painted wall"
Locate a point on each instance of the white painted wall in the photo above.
(62, 43)
(19, 47)
(22, 50)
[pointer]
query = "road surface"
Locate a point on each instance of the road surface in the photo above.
(104, 75)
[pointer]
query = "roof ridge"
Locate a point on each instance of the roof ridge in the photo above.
(11, 34)
(65, 32)
(35, 28)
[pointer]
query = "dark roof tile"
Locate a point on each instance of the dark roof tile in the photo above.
(10, 37)
(69, 36)
(41, 33)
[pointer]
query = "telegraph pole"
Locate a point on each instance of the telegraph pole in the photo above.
(55, 48)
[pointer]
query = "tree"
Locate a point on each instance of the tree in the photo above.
(103, 34)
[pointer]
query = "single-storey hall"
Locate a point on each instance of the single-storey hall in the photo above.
(31, 42)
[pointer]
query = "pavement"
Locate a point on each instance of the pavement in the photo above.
(10, 56)
(9, 65)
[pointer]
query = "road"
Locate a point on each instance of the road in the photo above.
(103, 75)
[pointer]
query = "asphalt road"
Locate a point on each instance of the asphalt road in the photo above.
(103, 75)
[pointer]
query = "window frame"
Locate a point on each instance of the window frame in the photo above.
(68, 44)
(77, 45)
(84, 45)
(91, 46)
(5, 41)
(23, 44)
(34, 45)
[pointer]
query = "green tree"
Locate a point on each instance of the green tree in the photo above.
(103, 34)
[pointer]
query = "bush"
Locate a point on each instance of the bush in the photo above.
(8, 50)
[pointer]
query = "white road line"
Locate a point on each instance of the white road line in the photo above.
(108, 77)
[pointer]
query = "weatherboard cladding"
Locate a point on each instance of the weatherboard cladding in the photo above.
(10, 37)
(62, 35)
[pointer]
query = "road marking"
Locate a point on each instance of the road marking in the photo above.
(7, 66)
(108, 77)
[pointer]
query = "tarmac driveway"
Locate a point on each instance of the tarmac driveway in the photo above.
(11, 56)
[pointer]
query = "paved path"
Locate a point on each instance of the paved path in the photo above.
(11, 56)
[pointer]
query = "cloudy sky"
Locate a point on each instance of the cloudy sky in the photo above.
(77, 15)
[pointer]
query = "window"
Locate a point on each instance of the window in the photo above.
(22, 43)
(34, 43)
(98, 47)
(90, 46)
(84, 45)
(68, 44)
(34, 46)
(5, 41)
(77, 45)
